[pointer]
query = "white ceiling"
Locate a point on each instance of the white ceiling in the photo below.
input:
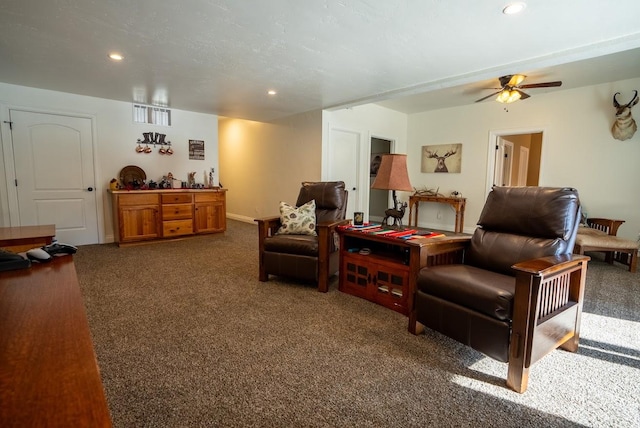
(221, 56)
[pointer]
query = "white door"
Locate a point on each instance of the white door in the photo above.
(53, 157)
(344, 150)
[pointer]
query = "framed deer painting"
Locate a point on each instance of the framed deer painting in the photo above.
(442, 158)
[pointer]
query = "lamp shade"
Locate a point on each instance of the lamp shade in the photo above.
(392, 174)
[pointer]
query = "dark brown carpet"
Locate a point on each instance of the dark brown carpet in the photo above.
(186, 336)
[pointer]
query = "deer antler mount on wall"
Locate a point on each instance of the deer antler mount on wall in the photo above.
(625, 126)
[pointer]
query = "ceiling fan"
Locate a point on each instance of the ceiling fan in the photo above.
(511, 89)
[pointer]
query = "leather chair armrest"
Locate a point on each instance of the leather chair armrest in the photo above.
(605, 224)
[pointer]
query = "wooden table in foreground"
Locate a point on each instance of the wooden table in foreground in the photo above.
(48, 370)
(388, 274)
(458, 205)
(23, 238)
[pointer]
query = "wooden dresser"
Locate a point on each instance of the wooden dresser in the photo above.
(48, 370)
(144, 215)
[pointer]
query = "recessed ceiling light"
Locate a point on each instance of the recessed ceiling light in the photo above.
(271, 92)
(116, 56)
(513, 8)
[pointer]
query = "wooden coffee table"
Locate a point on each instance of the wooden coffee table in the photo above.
(24, 238)
(49, 374)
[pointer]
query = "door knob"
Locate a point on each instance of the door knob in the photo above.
(90, 189)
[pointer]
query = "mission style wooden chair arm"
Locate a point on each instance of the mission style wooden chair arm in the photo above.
(617, 249)
(547, 308)
(606, 225)
(267, 226)
(327, 244)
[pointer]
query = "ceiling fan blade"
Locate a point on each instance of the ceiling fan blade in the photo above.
(523, 96)
(488, 96)
(504, 80)
(542, 85)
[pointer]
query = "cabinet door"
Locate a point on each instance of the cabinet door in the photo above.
(391, 288)
(355, 277)
(210, 217)
(379, 281)
(139, 222)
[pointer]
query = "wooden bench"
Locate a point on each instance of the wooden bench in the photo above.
(600, 235)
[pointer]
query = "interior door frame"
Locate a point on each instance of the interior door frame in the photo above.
(491, 151)
(10, 216)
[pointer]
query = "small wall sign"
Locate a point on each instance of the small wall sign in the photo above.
(196, 149)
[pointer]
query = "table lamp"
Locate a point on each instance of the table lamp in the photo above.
(392, 175)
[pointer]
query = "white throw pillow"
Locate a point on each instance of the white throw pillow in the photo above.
(298, 221)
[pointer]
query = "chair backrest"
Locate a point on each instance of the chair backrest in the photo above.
(523, 223)
(330, 197)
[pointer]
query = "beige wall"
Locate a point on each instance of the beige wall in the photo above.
(264, 163)
(577, 150)
(115, 136)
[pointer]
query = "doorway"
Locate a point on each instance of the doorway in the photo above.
(378, 199)
(514, 158)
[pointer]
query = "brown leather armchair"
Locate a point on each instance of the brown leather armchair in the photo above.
(513, 291)
(304, 257)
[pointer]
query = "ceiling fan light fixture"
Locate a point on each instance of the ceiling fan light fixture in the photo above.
(508, 96)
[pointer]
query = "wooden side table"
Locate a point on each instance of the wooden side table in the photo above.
(458, 205)
(387, 273)
(24, 238)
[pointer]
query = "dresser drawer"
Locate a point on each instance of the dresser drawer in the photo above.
(177, 198)
(209, 197)
(130, 199)
(177, 228)
(177, 211)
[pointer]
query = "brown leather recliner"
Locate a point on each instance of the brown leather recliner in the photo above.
(304, 257)
(513, 291)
